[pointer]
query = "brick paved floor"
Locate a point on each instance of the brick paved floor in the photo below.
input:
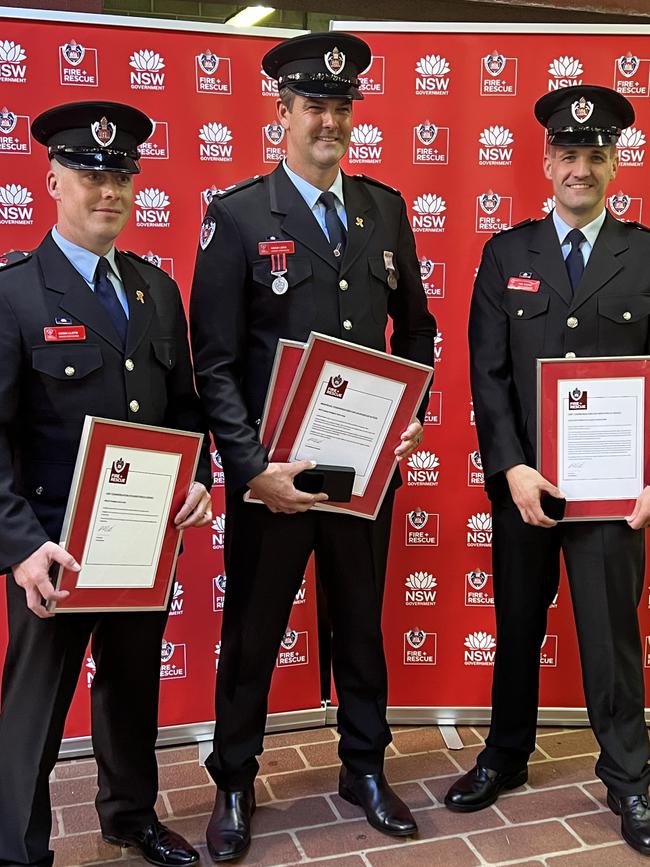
(559, 819)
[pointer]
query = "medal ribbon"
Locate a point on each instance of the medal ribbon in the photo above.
(278, 264)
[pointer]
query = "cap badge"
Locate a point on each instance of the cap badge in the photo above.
(582, 109)
(103, 132)
(628, 64)
(334, 61)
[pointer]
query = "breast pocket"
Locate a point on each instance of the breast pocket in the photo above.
(526, 315)
(380, 288)
(291, 305)
(623, 323)
(164, 352)
(69, 363)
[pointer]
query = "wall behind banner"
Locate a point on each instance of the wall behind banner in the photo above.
(448, 120)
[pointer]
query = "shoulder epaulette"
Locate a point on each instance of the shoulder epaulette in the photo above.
(516, 226)
(13, 257)
(235, 188)
(636, 225)
(377, 183)
(148, 258)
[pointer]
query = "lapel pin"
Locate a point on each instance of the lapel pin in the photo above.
(359, 222)
(139, 294)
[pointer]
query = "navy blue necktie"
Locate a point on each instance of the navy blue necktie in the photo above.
(575, 264)
(106, 293)
(335, 228)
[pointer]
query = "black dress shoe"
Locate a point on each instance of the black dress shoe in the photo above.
(635, 819)
(158, 845)
(384, 810)
(480, 788)
(229, 829)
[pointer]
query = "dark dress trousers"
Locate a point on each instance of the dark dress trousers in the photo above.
(236, 321)
(46, 389)
(609, 315)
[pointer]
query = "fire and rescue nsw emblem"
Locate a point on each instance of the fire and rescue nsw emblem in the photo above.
(628, 64)
(103, 132)
(582, 109)
(73, 52)
(119, 472)
(208, 228)
(489, 202)
(208, 62)
(334, 61)
(336, 386)
(426, 132)
(274, 133)
(8, 121)
(494, 63)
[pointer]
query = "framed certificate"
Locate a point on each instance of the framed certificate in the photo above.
(288, 356)
(347, 406)
(129, 482)
(593, 418)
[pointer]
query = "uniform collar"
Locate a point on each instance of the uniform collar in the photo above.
(309, 192)
(590, 231)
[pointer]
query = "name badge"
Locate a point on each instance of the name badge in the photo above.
(272, 248)
(59, 332)
(523, 284)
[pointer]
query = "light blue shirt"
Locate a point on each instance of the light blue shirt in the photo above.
(590, 231)
(85, 263)
(310, 194)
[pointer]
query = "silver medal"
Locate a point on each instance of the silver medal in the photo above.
(279, 285)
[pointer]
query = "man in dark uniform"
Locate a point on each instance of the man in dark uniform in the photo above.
(130, 361)
(350, 264)
(575, 284)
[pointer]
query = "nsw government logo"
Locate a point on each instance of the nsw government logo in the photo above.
(215, 147)
(301, 595)
(632, 75)
(475, 476)
(420, 589)
(423, 468)
(479, 589)
(213, 73)
(294, 649)
(147, 70)
(625, 207)
(13, 69)
(432, 76)
(420, 647)
(78, 65)
(173, 661)
(156, 146)
(498, 75)
(371, 80)
(493, 212)
(479, 530)
(479, 649)
(15, 206)
(433, 415)
(218, 592)
(218, 531)
(217, 655)
(630, 147)
(429, 213)
(152, 209)
(548, 653)
(14, 133)
(218, 477)
(272, 138)
(91, 669)
(423, 528)
(430, 144)
(437, 347)
(119, 472)
(495, 147)
(268, 85)
(365, 144)
(176, 607)
(564, 72)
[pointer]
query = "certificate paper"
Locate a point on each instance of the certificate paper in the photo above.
(349, 415)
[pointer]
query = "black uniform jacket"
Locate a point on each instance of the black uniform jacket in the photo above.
(236, 319)
(510, 329)
(48, 387)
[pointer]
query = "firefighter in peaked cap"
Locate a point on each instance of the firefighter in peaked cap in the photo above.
(87, 330)
(303, 249)
(573, 285)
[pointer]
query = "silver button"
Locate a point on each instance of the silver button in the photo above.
(569, 355)
(347, 324)
(129, 364)
(627, 316)
(39, 490)
(69, 371)
(520, 312)
(343, 285)
(134, 406)
(572, 322)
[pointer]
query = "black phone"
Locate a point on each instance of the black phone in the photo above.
(553, 507)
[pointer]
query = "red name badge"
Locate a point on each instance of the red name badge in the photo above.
(272, 248)
(523, 284)
(64, 332)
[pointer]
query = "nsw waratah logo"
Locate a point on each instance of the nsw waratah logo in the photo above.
(13, 69)
(78, 65)
(215, 138)
(479, 530)
(365, 144)
(15, 205)
(268, 85)
(479, 648)
(437, 346)
(564, 72)
(432, 76)
(147, 70)
(631, 147)
(218, 531)
(213, 73)
(429, 213)
(496, 146)
(177, 600)
(548, 205)
(153, 209)
(420, 589)
(423, 468)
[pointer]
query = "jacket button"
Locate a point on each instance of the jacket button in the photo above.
(520, 312)
(129, 364)
(572, 322)
(134, 406)
(343, 285)
(627, 316)
(39, 490)
(569, 355)
(69, 371)
(347, 325)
